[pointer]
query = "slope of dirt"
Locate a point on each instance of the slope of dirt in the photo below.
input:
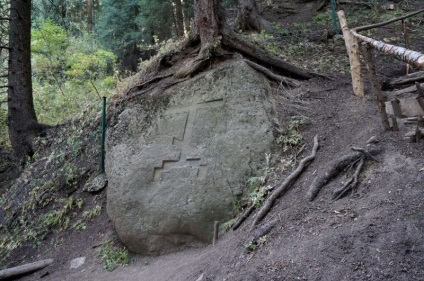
(375, 233)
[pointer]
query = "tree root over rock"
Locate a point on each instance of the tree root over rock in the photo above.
(358, 157)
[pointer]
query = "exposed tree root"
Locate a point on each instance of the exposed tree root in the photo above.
(245, 215)
(153, 80)
(209, 41)
(336, 167)
(235, 41)
(285, 184)
(264, 230)
(352, 183)
(280, 79)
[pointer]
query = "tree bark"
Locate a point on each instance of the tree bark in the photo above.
(23, 124)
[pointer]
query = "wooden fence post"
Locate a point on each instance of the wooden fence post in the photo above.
(352, 47)
(375, 86)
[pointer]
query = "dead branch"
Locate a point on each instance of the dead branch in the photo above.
(352, 183)
(284, 185)
(24, 269)
(336, 167)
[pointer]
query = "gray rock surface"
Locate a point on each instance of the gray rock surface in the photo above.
(176, 162)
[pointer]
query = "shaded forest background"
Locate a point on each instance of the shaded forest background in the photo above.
(82, 50)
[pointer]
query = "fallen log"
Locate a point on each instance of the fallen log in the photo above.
(24, 269)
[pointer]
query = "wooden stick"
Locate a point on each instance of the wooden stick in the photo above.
(395, 126)
(420, 101)
(405, 36)
(396, 107)
(417, 134)
(376, 86)
(352, 47)
(215, 232)
(419, 89)
(286, 183)
(24, 269)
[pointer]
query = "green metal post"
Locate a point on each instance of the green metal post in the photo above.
(102, 153)
(334, 16)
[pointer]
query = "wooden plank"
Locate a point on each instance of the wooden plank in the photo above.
(352, 47)
(411, 89)
(407, 79)
(396, 108)
(24, 269)
(409, 107)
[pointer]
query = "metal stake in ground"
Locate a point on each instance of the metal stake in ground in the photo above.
(102, 152)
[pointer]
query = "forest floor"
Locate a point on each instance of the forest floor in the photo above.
(375, 233)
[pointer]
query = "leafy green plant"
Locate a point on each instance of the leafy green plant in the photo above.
(227, 225)
(69, 72)
(113, 255)
(251, 246)
(291, 137)
(254, 245)
(79, 225)
(92, 213)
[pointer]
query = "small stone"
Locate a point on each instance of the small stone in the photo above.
(201, 277)
(78, 262)
(373, 140)
(410, 134)
(96, 184)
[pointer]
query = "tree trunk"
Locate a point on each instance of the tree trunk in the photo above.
(179, 17)
(23, 124)
(248, 18)
(214, 33)
(90, 15)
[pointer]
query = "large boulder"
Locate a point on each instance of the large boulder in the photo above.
(176, 162)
